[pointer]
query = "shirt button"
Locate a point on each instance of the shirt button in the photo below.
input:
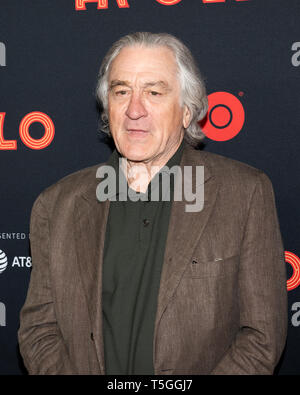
(146, 222)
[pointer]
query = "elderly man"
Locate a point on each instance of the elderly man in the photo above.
(145, 286)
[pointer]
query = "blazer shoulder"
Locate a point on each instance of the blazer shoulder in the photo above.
(66, 188)
(226, 169)
(238, 181)
(234, 177)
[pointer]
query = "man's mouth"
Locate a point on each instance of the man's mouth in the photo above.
(137, 132)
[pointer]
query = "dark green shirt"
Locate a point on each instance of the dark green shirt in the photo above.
(133, 256)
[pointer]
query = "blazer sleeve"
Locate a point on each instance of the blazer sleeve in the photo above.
(41, 344)
(262, 290)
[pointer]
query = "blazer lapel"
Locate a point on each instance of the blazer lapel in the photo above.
(185, 230)
(90, 226)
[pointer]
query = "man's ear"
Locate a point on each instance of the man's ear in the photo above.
(186, 116)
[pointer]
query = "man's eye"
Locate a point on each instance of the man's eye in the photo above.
(121, 93)
(154, 93)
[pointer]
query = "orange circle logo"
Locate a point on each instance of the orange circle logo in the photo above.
(225, 117)
(293, 260)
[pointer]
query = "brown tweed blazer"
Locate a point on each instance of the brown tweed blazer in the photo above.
(222, 304)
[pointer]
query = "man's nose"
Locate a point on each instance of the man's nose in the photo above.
(136, 108)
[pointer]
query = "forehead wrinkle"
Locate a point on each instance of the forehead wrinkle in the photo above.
(146, 84)
(163, 84)
(114, 83)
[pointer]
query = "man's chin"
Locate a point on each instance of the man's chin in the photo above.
(136, 156)
(134, 152)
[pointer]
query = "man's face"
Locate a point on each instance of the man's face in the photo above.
(145, 117)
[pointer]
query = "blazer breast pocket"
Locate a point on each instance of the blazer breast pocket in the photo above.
(219, 266)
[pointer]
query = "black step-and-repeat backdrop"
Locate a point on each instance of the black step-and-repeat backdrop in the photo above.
(50, 53)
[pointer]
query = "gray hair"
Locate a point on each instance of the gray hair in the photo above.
(193, 92)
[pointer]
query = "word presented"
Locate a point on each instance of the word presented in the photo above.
(12, 236)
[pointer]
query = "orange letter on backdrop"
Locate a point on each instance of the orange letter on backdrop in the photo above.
(102, 4)
(5, 144)
(213, 1)
(218, 1)
(168, 2)
(46, 121)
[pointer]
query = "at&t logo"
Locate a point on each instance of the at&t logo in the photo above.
(3, 261)
(22, 261)
(18, 261)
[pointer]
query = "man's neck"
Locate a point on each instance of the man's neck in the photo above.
(140, 174)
